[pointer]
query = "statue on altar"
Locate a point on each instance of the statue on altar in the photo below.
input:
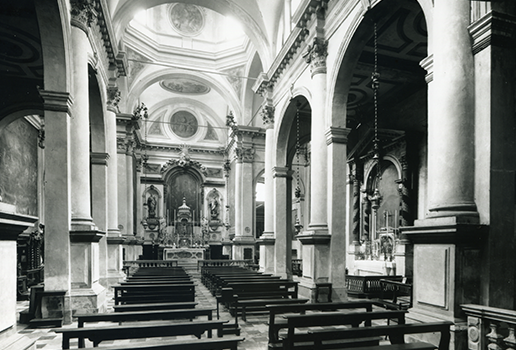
(214, 208)
(151, 206)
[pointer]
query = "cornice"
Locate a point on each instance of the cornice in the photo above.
(427, 64)
(494, 28)
(337, 135)
(176, 148)
(56, 101)
(99, 158)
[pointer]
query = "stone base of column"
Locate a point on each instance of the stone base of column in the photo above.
(447, 266)
(316, 261)
(56, 304)
(266, 243)
(132, 247)
(243, 248)
(89, 300)
(115, 273)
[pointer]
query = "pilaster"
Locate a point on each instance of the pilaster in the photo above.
(57, 195)
(336, 140)
(282, 223)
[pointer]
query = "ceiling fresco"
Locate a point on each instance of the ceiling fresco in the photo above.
(184, 86)
(186, 19)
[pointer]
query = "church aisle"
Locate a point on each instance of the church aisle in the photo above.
(255, 330)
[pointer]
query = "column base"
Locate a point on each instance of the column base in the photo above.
(243, 248)
(316, 261)
(266, 258)
(447, 266)
(89, 300)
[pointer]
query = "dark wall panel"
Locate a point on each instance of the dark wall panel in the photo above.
(19, 166)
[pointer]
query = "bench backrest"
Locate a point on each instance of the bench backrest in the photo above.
(394, 332)
(275, 310)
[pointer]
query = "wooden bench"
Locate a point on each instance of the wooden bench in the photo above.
(394, 295)
(275, 325)
(99, 334)
(157, 292)
(120, 317)
(191, 344)
(257, 295)
(367, 286)
(395, 333)
(155, 282)
(154, 306)
(305, 340)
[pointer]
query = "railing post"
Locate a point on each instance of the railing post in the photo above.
(494, 338)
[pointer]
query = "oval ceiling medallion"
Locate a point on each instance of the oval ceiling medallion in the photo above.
(184, 86)
(183, 124)
(186, 19)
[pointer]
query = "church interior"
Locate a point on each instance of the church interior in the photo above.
(351, 148)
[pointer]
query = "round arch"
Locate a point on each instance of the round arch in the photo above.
(254, 30)
(220, 86)
(349, 52)
(285, 123)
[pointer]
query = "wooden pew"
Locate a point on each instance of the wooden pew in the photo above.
(276, 325)
(395, 333)
(154, 282)
(257, 295)
(295, 340)
(99, 334)
(127, 294)
(120, 317)
(191, 344)
(154, 306)
(394, 295)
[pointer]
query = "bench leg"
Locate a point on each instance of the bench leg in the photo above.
(66, 342)
(244, 318)
(81, 343)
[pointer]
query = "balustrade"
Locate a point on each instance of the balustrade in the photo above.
(490, 328)
(248, 263)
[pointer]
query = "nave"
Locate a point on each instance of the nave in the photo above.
(320, 325)
(254, 330)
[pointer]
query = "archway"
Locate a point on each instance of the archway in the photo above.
(387, 133)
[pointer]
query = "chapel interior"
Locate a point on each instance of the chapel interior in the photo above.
(331, 143)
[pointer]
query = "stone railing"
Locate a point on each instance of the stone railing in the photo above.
(490, 327)
(149, 263)
(223, 262)
(367, 286)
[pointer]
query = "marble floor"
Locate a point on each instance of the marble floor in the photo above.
(254, 330)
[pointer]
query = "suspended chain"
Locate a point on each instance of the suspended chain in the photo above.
(298, 150)
(376, 86)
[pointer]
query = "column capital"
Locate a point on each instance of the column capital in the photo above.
(245, 154)
(337, 135)
(56, 101)
(113, 99)
(83, 13)
(316, 56)
(494, 28)
(267, 114)
(125, 146)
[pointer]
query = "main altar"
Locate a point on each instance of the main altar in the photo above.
(180, 239)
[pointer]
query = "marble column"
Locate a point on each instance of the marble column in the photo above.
(266, 240)
(87, 293)
(316, 56)
(447, 243)
(57, 192)
(337, 139)
(114, 239)
(282, 223)
(243, 243)
(451, 129)
(316, 238)
(79, 124)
